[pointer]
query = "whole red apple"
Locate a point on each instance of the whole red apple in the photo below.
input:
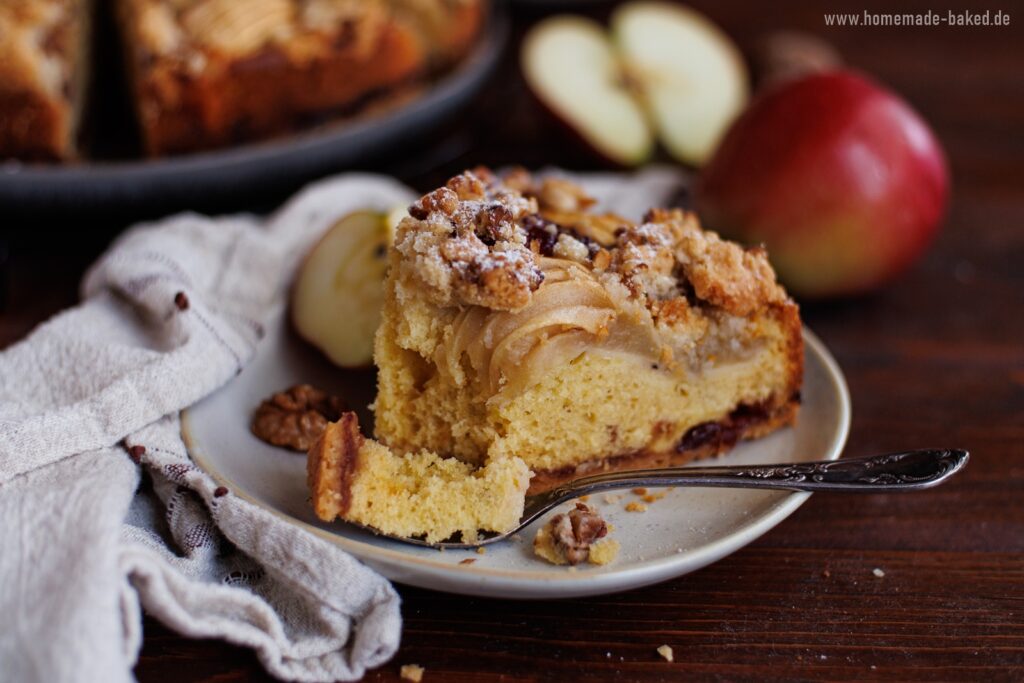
(840, 179)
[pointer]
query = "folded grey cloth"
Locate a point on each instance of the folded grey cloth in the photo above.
(170, 313)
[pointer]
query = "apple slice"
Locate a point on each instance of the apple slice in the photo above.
(690, 75)
(570, 64)
(338, 294)
(392, 219)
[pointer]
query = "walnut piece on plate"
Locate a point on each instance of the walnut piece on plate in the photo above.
(295, 418)
(574, 537)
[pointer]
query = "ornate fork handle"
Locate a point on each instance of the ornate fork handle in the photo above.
(910, 470)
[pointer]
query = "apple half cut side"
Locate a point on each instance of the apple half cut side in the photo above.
(690, 75)
(570, 64)
(339, 290)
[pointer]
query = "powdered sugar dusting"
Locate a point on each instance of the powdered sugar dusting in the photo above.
(479, 239)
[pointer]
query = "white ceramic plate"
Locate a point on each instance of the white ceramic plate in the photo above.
(686, 530)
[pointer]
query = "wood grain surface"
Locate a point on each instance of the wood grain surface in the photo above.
(936, 359)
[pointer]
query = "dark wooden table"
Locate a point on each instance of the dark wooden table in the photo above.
(935, 359)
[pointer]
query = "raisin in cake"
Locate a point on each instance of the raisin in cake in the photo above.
(519, 325)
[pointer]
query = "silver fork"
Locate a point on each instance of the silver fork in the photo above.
(906, 471)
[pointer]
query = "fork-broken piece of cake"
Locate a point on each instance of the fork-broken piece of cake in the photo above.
(519, 325)
(413, 494)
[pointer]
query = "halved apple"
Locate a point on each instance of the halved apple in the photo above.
(339, 290)
(690, 75)
(571, 66)
(665, 71)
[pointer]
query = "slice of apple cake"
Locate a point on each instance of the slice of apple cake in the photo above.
(44, 53)
(519, 324)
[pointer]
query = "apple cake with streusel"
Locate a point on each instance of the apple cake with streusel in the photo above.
(44, 46)
(208, 73)
(519, 324)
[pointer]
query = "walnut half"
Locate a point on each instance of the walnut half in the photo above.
(568, 538)
(296, 418)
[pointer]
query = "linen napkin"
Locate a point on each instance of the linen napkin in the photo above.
(170, 313)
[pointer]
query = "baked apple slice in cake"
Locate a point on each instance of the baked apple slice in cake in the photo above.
(518, 325)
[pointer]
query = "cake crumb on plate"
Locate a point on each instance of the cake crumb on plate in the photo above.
(604, 551)
(635, 507)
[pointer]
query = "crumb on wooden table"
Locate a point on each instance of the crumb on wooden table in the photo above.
(878, 572)
(411, 672)
(666, 652)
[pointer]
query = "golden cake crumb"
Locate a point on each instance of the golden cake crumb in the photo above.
(412, 672)
(653, 497)
(666, 652)
(635, 507)
(468, 560)
(604, 551)
(481, 550)
(640, 491)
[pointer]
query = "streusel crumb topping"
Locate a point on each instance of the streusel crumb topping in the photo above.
(37, 42)
(482, 240)
(189, 28)
(466, 243)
